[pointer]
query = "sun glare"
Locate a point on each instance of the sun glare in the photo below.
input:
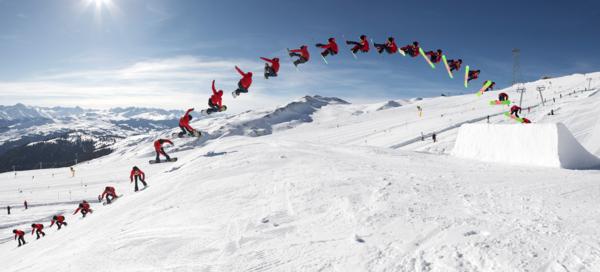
(101, 7)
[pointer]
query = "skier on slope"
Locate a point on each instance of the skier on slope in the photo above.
(435, 56)
(138, 174)
(514, 110)
(331, 48)
(272, 69)
(59, 220)
(473, 74)
(84, 207)
(389, 46)
(158, 147)
(215, 102)
(454, 64)
(38, 229)
(244, 83)
(184, 124)
(20, 234)
(109, 191)
(502, 97)
(302, 54)
(411, 49)
(362, 45)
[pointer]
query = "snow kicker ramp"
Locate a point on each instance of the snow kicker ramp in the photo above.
(549, 145)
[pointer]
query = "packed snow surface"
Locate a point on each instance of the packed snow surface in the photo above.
(550, 144)
(322, 185)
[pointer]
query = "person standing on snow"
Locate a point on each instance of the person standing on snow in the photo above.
(411, 49)
(362, 45)
(389, 46)
(215, 102)
(38, 229)
(84, 207)
(270, 70)
(514, 110)
(158, 147)
(138, 174)
(20, 234)
(244, 83)
(331, 48)
(184, 124)
(302, 54)
(59, 220)
(25, 204)
(109, 191)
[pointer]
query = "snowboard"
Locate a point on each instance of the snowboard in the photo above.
(426, 58)
(104, 203)
(518, 119)
(197, 134)
(324, 59)
(401, 52)
(447, 66)
(205, 111)
(485, 86)
(498, 102)
(467, 76)
(162, 161)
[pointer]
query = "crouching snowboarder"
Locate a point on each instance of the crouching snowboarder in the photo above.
(160, 150)
(38, 229)
(184, 124)
(215, 102)
(109, 193)
(244, 83)
(59, 220)
(270, 70)
(20, 235)
(137, 174)
(84, 208)
(514, 110)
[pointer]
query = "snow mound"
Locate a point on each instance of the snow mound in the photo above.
(548, 145)
(390, 104)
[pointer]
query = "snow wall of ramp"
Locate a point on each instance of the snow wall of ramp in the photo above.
(548, 145)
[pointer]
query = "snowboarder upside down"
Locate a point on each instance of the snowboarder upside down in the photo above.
(514, 110)
(302, 54)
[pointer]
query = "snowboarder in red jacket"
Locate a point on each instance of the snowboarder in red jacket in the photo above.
(526, 121)
(454, 64)
(184, 124)
(158, 147)
(389, 46)
(109, 193)
(138, 174)
(244, 83)
(302, 54)
(514, 110)
(411, 49)
(38, 229)
(272, 69)
(20, 234)
(331, 48)
(84, 207)
(362, 45)
(502, 97)
(60, 221)
(435, 56)
(473, 74)
(489, 88)
(215, 102)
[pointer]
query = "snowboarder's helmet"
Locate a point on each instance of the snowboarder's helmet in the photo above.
(54, 217)
(459, 60)
(250, 73)
(439, 51)
(391, 39)
(190, 117)
(416, 43)
(304, 46)
(135, 167)
(276, 59)
(362, 37)
(220, 92)
(331, 40)
(14, 231)
(33, 225)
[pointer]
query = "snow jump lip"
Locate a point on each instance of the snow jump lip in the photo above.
(546, 145)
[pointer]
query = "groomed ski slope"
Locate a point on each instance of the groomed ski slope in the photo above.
(343, 188)
(550, 145)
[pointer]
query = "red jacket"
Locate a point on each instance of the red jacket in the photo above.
(526, 121)
(185, 120)
(303, 52)
(392, 46)
(83, 206)
(38, 227)
(217, 97)
(435, 57)
(411, 49)
(59, 218)
(474, 74)
(515, 108)
(158, 143)
(136, 173)
(331, 45)
(454, 64)
(246, 80)
(274, 65)
(364, 45)
(19, 233)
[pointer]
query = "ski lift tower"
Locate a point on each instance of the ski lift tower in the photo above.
(517, 75)
(589, 80)
(540, 89)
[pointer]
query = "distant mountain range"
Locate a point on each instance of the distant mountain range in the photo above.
(56, 137)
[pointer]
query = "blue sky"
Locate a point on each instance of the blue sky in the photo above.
(164, 53)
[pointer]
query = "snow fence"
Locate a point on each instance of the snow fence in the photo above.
(549, 145)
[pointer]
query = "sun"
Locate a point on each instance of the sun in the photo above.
(101, 8)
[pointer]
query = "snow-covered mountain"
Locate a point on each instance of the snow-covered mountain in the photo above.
(324, 185)
(33, 135)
